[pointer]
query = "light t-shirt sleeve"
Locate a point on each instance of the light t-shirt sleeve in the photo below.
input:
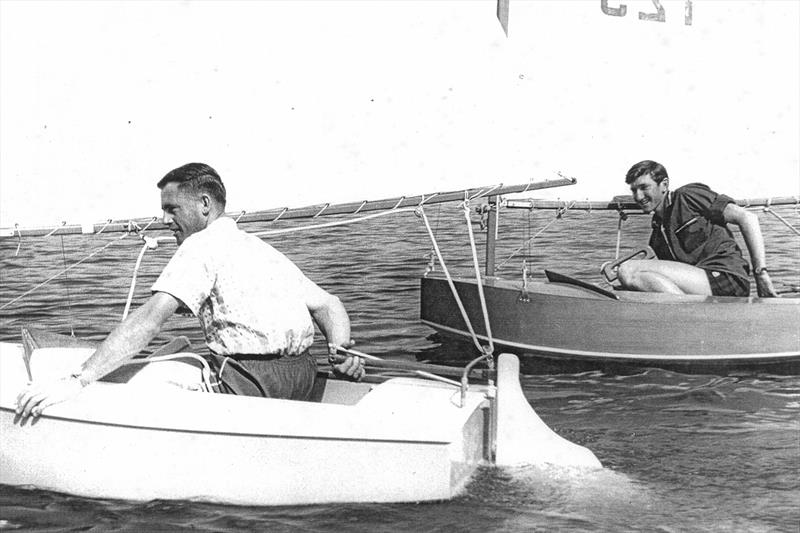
(188, 276)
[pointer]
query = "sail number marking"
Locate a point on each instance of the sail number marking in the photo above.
(659, 16)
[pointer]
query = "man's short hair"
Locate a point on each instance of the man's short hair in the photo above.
(200, 178)
(642, 168)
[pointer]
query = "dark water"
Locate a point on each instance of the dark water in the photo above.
(682, 452)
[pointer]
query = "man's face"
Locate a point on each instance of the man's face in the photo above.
(649, 194)
(183, 211)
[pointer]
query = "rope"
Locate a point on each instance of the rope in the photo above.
(311, 226)
(104, 227)
(619, 235)
(785, 222)
(54, 276)
(280, 215)
(450, 280)
(148, 243)
(19, 239)
(141, 230)
(428, 199)
(368, 357)
(324, 207)
(483, 192)
(63, 223)
(477, 266)
(332, 224)
(205, 371)
(222, 366)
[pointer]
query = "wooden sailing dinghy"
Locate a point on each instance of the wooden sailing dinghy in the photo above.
(573, 323)
(580, 324)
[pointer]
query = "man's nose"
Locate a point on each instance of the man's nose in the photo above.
(167, 218)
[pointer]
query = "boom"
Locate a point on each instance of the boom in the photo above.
(312, 211)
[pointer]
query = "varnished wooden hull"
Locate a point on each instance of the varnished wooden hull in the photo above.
(577, 325)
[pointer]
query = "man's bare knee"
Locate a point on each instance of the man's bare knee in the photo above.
(628, 273)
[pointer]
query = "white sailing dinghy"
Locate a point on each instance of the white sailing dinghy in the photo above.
(149, 431)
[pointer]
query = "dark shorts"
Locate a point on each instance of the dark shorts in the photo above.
(727, 284)
(289, 377)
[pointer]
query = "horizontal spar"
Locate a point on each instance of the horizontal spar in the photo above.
(312, 211)
(412, 366)
(623, 203)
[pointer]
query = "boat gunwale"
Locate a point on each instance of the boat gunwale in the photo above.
(779, 357)
(108, 404)
(78, 420)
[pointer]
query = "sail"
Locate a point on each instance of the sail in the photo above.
(299, 103)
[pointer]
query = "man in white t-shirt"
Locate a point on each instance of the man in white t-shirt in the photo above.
(254, 305)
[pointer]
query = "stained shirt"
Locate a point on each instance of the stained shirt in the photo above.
(693, 231)
(247, 295)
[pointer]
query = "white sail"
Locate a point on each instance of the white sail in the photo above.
(310, 102)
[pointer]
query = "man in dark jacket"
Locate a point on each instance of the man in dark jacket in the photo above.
(697, 253)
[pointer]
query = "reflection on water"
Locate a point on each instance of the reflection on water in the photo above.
(682, 452)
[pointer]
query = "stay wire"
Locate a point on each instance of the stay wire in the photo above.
(515, 252)
(781, 219)
(57, 274)
(450, 282)
(66, 285)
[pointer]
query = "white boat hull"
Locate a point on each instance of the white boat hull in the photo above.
(405, 440)
(401, 440)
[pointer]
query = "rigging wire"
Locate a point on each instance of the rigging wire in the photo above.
(54, 276)
(450, 282)
(335, 223)
(767, 209)
(66, 286)
(558, 216)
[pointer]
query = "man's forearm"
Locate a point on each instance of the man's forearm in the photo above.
(126, 340)
(754, 240)
(332, 319)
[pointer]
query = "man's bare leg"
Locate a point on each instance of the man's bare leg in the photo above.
(656, 275)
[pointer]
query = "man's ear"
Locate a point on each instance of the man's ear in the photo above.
(665, 181)
(205, 201)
